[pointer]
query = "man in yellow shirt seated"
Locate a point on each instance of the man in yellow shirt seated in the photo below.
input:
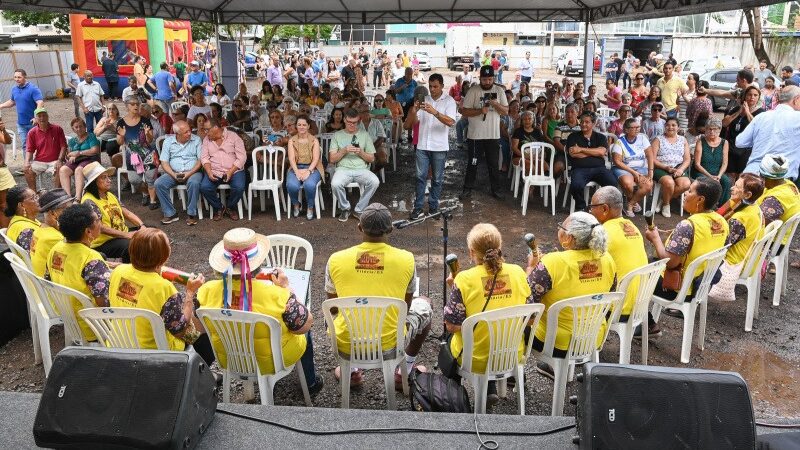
(375, 268)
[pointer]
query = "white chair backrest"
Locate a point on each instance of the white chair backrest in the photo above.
(364, 318)
(325, 142)
(271, 166)
(236, 331)
(588, 316)
(160, 143)
(226, 109)
(712, 261)
(62, 298)
(116, 327)
(535, 158)
(506, 330)
(397, 130)
(176, 106)
(760, 248)
(31, 287)
(263, 105)
(313, 110)
(283, 250)
(647, 276)
(786, 233)
(16, 249)
(606, 113)
(370, 96)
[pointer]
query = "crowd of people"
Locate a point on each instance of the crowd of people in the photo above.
(733, 176)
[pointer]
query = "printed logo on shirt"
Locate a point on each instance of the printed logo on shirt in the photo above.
(57, 263)
(629, 230)
(502, 287)
(129, 290)
(716, 227)
(793, 188)
(115, 216)
(589, 269)
(370, 261)
(33, 245)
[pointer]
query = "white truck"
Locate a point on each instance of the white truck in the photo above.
(461, 42)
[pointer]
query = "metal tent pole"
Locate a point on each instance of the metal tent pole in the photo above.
(588, 59)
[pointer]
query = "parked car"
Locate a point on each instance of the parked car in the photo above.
(724, 79)
(424, 61)
(703, 65)
(570, 62)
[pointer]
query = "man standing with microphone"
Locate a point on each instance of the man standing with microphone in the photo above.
(435, 114)
(483, 106)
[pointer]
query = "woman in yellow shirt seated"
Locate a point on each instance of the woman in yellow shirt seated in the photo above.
(239, 255)
(491, 284)
(115, 234)
(583, 267)
(52, 203)
(140, 285)
(22, 207)
(73, 263)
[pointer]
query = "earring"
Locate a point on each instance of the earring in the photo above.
(24, 212)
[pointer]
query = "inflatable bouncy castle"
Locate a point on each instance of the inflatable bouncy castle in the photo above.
(157, 40)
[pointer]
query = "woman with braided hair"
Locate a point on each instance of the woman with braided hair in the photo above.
(491, 284)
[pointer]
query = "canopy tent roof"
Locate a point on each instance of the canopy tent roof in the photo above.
(273, 12)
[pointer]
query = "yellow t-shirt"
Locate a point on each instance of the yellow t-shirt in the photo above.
(18, 224)
(110, 214)
(788, 196)
(574, 273)
(370, 269)
(131, 288)
(710, 233)
(65, 264)
(670, 91)
(751, 218)
(511, 289)
(269, 300)
(626, 247)
(44, 238)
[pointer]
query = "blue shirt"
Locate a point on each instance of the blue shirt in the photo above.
(197, 78)
(162, 80)
(772, 132)
(181, 157)
(405, 95)
(26, 97)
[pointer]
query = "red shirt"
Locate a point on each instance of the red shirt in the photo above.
(495, 64)
(455, 92)
(46, 144)
(166, 123)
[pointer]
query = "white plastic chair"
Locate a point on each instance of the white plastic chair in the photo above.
(181, 189)
(13, 143)
(348, 188)
(160, 143)
(319, 202)
(506, 330)
(364, 318)
(534, 156)
(648, 279)
(397, 131)
(657, 199)
(611, 139)
(283, 251)
(780, 259)
(236, 331)
(123, 170)
(31, 295)
(116, 327)
(175, 106)
(712, 261)
(588, 316)
(222, 188)
(267, 175)
(750, 277)
(606, 115)
(324, 145)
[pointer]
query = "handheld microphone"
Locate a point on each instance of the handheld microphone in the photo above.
(452, 263)
(530, 239)
(648, 217)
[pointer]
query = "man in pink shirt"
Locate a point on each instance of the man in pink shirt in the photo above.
(223, 157)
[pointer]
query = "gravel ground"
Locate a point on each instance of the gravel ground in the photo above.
(767, 357)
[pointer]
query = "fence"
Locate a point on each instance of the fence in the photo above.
(47, 69)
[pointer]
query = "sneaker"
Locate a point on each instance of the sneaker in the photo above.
(319, 382)
(629, 212)
(416, 214)
(637, 208)
(356, 215)
(544, 369)
(343, 215)
(154, 205)
(398, 376)
(296, 211)
(310, 214)
(191, 220)
(356, 378)
(169, 220)
(653, 331)
(145, 200)
(665, 211)
(432, 211)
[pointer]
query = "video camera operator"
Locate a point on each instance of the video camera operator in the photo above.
(483, 106)
(135, 91)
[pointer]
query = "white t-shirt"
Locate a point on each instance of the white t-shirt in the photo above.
(194, 110)
(90, 95)
(526, 68)
(634, 153)
(490, 127)
(397, 73)
(433, 134)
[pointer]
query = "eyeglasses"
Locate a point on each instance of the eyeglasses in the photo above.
(591, 205)
(639, 78)
(351, 122)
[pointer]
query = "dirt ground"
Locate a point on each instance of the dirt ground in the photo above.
(767, 357)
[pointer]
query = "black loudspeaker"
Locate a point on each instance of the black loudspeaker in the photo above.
(108, 398)
(644, 407)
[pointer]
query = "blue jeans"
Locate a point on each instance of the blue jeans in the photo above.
(293, 185)
(308, 361)
(505, 150)
(92, 117)
(435, 161)
(165, 182)
(209, 190)
(22, 132)
(581, 176)
(461, 130)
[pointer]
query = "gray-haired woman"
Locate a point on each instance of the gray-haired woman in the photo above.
(583, 267)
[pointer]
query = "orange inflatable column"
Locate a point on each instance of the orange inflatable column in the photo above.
(78, 48)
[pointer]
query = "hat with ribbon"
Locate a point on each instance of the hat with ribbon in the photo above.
(240, 252)
(774, 167)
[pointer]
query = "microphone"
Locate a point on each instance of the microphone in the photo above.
(400, 224)
(530, 239)
(452, 263)
(648, 217)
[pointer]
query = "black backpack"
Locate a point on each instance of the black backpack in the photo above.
(432, 392)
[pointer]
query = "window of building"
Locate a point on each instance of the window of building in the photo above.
(426, 41)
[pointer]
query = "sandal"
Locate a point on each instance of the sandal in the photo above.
(356, 378)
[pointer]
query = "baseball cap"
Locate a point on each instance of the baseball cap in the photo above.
(195, 63)
(376, 220)
(487, 71)
(39, 110)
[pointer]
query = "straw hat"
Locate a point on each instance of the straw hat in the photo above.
(239, 239)
(94, 169)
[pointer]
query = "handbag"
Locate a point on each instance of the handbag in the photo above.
(431, 392)
(724, 289)
(673, 278)
(447, 363)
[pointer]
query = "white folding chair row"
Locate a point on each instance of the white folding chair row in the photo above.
(538, 171)
(267, 175)
(365, 318)
(646, 278)
(33, 309)
(709, 263)
(236, 332)
(506, 331)
(779, 257)
(116, 327)
(750, 277)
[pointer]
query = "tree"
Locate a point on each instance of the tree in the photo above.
(753, 18)
(202, 31)
(30, 19)
(308, 31)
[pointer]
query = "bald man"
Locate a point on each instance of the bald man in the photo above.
(180, 164)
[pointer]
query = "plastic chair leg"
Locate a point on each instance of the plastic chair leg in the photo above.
(645, 342)
(265, 390)
(37, 350)
(780, 262)
(44, 345)
(345, 382)
(388, 382)
(552, 190)
(249, 392)
(525, 190)
(752, 302)
(226, 386)
(520, 376)
(276, 202)
(560, 369)
(481, 386)
(303, 383)
(404, 376)
(688, 332)
(701, 331)
(624, 345)
(502, 388)
(250, 210)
